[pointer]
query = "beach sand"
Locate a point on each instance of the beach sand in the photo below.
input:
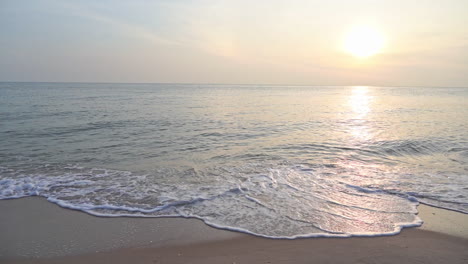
(36, 231)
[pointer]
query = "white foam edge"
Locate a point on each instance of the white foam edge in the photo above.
(398, 226)
(441, 207)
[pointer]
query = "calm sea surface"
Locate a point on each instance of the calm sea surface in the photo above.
(275, 161)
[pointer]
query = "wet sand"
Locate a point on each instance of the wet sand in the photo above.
(36, 231)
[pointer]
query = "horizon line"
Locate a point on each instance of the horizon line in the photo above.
(257, 84)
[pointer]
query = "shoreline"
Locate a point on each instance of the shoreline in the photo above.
(37, 231)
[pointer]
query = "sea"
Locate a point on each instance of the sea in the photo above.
(272, 161)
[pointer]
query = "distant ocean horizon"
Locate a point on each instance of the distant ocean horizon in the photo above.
(232, 84)
(279, 161)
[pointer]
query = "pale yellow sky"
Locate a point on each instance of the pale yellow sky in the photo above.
(261, 42)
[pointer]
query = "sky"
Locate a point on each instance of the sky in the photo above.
(296, 42)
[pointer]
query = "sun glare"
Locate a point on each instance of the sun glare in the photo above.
(363, 42)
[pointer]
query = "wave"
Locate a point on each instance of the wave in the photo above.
(278, 200)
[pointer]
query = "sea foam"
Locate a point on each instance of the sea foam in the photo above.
(276, 201)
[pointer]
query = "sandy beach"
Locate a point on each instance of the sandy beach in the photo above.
(36, 231)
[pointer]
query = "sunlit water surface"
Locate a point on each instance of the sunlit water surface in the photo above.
(275, 161)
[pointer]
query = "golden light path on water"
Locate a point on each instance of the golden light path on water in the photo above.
(358, 124)
(360, 103)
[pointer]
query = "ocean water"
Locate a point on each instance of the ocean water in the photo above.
(274, 161)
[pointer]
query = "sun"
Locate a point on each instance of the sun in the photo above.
(363, 42)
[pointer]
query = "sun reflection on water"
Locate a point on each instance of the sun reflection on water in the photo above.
(357, 164)
(360, 104)
(359, 101)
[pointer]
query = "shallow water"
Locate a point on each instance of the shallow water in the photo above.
(276, 161)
